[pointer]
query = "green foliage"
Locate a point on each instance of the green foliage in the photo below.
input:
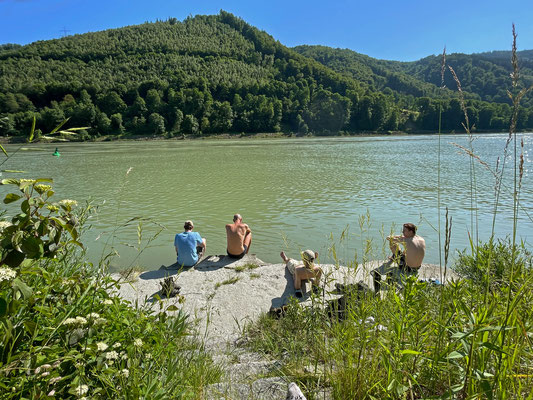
(492, 262)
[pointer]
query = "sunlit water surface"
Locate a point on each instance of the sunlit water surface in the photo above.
(294, 193)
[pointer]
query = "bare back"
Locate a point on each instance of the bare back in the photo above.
(235, 235)
(415, 249)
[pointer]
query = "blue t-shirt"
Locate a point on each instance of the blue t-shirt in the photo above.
(186, 243)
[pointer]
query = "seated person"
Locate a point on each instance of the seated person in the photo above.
(409, 260)
(190, 246)
(239, 237)
(307, 270)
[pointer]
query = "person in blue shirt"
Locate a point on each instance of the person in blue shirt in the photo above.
(190, 246)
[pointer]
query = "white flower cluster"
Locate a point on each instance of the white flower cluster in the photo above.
(111, 355)
(117, 345)
(138, 342)
(4, 225)
(101, 346)
(68, 203)
(125, 373)
(93, 315)
(108, 301)
(75, 321)
(81, 390)
(7, 274)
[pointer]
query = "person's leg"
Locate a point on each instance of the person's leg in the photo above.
(247, 241)
(284, 257)
(383, 269)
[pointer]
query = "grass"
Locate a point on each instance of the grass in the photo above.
(229, 281)
(246, 267)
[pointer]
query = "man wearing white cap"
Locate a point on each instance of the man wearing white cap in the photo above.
(189, 246)
(307, 270)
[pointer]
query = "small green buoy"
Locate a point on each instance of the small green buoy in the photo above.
(57, 153)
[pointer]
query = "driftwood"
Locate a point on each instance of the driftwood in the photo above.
(294, 392)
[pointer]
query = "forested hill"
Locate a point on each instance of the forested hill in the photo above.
(483, 76)
(213, 74)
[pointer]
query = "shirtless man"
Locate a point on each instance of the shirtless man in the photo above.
(409, 261)
(239, 237)
(307, 270)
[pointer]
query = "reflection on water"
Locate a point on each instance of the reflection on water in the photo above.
(294, 193)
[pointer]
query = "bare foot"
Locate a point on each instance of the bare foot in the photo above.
(283, 256)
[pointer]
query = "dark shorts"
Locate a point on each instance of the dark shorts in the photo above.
(402, 266)
(240, 255)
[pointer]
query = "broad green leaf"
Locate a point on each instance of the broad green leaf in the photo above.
(30, 326)
(16, 240)
(32, 247)
(32, 131)
(24, 289)
(13, 258)
(11, 197)
(172, 308)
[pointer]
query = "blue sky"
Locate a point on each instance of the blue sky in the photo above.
(394, 30)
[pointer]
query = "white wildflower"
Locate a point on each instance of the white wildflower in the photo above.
(70, 321)
(125, 373)
(117, 345)
(42, 188)
(123, 356)
(101, 346)
(99, 321)
(4, 225)
(108, 301)
(52, 207)
(111, 355)
(68, 203)
(138, 342)
(7, 274)
(148, 356)
(81, 390)
(81, 320)
(93, 315)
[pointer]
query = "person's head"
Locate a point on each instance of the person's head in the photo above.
(409, 229)
(237, 218)
(308, 257)
(188, 225)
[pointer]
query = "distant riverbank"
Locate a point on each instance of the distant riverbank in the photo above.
(223, 136)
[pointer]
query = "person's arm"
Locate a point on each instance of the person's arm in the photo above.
(248, 230)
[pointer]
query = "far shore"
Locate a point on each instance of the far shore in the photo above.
(232, 136)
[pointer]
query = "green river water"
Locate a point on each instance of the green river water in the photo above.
(295, 193)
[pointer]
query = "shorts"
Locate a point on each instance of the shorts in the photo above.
(240, 255)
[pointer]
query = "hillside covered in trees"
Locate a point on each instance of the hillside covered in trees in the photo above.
(216, 74)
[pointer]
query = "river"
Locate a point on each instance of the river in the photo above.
(339, 196)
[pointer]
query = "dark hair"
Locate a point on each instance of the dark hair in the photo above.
(188, 225)
(410, 226)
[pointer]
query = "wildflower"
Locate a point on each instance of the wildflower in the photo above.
(99, 321)
(138, 342)
(81, 390)
(108, 301)
(7, 274)
(93, 315)
(81, 320)
(4, 225)
(117, 345)
(123, 356)
(111, 355)
(101, 346)
(52, 207)
(68, 203)
(148, 356)
(70, 321)
(42, 188)
(125, 373)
